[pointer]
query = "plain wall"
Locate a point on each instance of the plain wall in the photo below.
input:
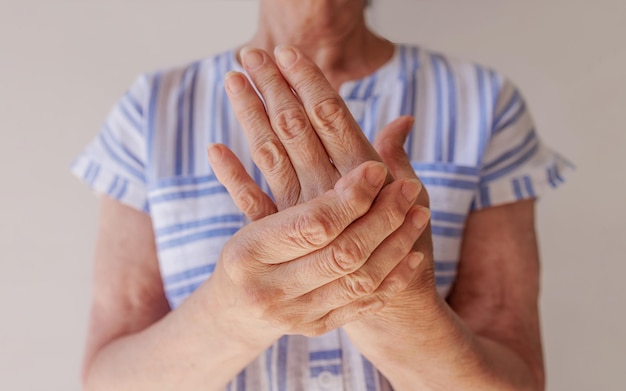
(64, 63)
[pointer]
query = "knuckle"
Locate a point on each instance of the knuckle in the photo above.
(253, 204)
(393, 215)
(329, 114)
(355, 201)
(372, 305)
(251, 115)
(313, 230)
(346, 256)
(269, 155)
(395, 284)
(291, 123)
(357, 285)
(269, 81)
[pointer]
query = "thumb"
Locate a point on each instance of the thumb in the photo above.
(390, 146)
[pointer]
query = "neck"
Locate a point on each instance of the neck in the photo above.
(332, 33)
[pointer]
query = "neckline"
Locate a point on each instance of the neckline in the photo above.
(351, 89)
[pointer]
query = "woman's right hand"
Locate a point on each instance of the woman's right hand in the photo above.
(303, 270)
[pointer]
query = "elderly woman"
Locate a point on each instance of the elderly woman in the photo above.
(365, 222)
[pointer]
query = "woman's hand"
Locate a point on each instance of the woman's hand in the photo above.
(316, 266)
(304, 139)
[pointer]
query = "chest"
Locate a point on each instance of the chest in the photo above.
(194, 216)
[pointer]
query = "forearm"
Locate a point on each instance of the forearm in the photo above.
(440, 353)
(186, 350)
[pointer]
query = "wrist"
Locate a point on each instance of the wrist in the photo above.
(237, 331)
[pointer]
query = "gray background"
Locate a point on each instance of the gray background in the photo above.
(64, 63)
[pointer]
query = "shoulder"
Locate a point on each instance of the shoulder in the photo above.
(172, 81)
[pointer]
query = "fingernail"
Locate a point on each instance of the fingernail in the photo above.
(215, 153)
(252, 58)
(410, 189)
(285, 56)
(235, 82)
(415, 259)
(421, 217)
(375, 174)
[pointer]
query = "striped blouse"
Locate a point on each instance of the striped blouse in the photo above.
(473, 145)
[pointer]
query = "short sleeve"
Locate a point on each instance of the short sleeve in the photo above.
(114, 163)
(515, 164)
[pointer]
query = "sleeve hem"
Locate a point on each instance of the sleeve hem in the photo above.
(104, 180)
(531, 185)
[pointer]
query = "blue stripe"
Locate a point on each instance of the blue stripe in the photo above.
(189, 194)
(269, 366)
(183, 290)
(335, 369)
(515, 98)
(325, 355)
(178, 143)
(191, 121)
(483, 128)
(369, 373)
(122, 190)
(445, 167)
(94, 175)
(512, 120)
(452, 109)
(122, 162)
(113, 185)
(281, 363)
(181, 181)
(355, 91)
(551, 177)
(557, 173)
(230, 218)
(512, 166)
(512, 152)
(189, 274)
(413, 99)
(485, 199)
(448, 217)
(444, 280)
(127, 114)
(445, 266)
(212, 131)
(447, 231)
(529, 186)
(109, 132)
(446, 182)
(517, 189)
(212, 233)
(495, 89)
(133, 102)
(151, 119)
(241, 381)
(370, 87)
(370, 116)
(439, 119)
(225, 118)
(87, 172)
(404, 73)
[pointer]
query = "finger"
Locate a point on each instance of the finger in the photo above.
(246, 194)
(390, 146)
(266, 149)
(307, 227)
(396, 282)
(291, 124)
(340, 134)
(352, 249)
(371, 277)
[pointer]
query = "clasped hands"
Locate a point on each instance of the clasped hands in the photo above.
(345, 235)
